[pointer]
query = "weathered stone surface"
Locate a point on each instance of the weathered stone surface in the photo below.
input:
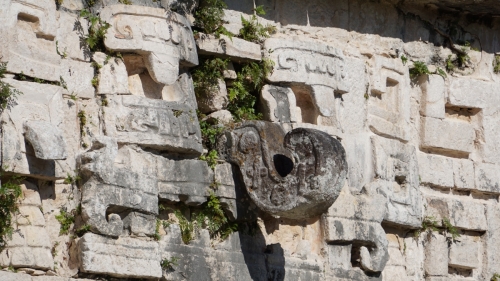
(235, 48)
(463, 174)
(69, 31)
(436, 255)
(41, 104)
(278, 104)
(109, 189)
(123, 257)
(28, 29)
(447, 136)
(435, 170)
(113, 78)
(164, 40)
(315, 64)
(221, 117)
(46, 139)
(465, 214)
(464, 254)
(78, 77)
(389, 103)
(295, 176)
(357, 219)
(159, 124)
(433, 96)
(397, 178)
(487, 177)
(213, 99)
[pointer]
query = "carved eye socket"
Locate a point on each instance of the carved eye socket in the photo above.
(283, 164)
(249, 142)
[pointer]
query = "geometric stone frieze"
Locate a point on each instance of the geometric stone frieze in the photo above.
(164, 39)
(297, 175)
(311, 63)
(28, 29)
(154, 123)
(389, 101)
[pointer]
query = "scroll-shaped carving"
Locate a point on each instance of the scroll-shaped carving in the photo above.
(297, 175)
(110, 189)
(312, 63)
(164, 39)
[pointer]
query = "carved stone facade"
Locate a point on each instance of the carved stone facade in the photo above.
(359, 170)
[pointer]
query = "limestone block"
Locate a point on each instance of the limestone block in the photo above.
(30, 215)
(397, 178)
(69, 31)
(184, 180)
(312, 63)
(433, 96)
(123, 257)
(78, 77)
(300, 188)
(164, 40)
(107, 187)
(213, 99)
(46, 139)
(278, 104)
(464, 254)
(460, 90)
(463, 174)
(487, 177)
(28, 30)
(74, 5)
(235, 48)
(230, 73)
(232, 18)
(11, 276)
(491, 133)
(465, 214)
(41, 103)
(339, 256)
(163, 125)
(436, 255)
(113, 78)
(389, 103)
(491, 257)
(435, 170)
(448, 135)
(221, 117)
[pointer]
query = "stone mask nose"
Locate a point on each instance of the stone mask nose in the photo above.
(296, 175)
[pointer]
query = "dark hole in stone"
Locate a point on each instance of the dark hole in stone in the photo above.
(283, 164)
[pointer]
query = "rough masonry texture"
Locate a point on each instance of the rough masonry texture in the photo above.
(377, 156)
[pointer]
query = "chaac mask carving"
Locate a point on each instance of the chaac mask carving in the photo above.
(296, 175)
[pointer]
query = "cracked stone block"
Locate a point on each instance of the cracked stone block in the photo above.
(435, 170)
(113, 77)
(122, 257)
(433, 99)
(234, 48)
(278, 104)
(78, 78)
(465, 214)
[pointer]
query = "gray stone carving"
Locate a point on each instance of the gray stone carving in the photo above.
(154, 123)
(297, 175)
(46, 139)
(114, 190)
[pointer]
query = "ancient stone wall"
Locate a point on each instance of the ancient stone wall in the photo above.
(377, 156)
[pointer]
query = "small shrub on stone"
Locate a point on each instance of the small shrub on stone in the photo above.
(496, 64)
(429, 223)
(66, 220)
(253, 30)
(495, 277)
(209, 18)
(97, 31)
(419, 68)
(168, 264)
(8, 94)
(10, 192)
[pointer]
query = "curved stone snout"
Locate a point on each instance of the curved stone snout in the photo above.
(296, 175)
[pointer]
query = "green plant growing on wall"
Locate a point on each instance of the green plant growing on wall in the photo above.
(419, 68)
(126, 2)
(209, 18)
(429, 223)
(8, 94)
(496, 64)
(206, 76)
(97, 31)
(66, 220)
(10, 192)
(83, 121)
(404, 59)
(72, 179)
(254, 31)
(82, 230)
(168, 264)
(495, 277)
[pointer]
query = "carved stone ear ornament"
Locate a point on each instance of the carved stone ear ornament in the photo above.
(296, 175)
